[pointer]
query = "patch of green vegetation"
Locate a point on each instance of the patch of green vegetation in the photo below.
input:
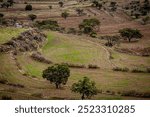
(60, 48)
(7, 33)
(33, 71)
(50, 39)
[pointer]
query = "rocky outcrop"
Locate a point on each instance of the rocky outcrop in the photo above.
(27, 41)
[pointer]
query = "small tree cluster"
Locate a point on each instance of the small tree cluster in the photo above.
(97, 4)
(88, 26)
(8, 3)
(65, 15)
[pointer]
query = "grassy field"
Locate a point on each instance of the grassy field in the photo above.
(7, 33)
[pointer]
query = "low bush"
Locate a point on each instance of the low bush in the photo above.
(134, 93)
(121, 69)
(90, 66)
(1, 15)
(128, 93)
(75, 65)
(6, 97)
(28, 7)
(3, 81)
(136, 70)
(47, 24)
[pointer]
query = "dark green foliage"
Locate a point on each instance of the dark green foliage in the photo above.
(28, 7)
(121, 69)
(61, 4)
(93, 34)
(50, 7)
(57, 74)
(146, 7)
(5, 5)
(3, 81)
(88, 25)
(134, 93)
(129, 33)
(32, 17)
(1, 15)
(75, 65)
(47, 24)
(136, 70)
(85, 87)
(90, 66)
(3, 21)
(79, 11)
(65, 14)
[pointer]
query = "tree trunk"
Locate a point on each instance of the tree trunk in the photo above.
(83, 97)
(129, 39)
(57, 86)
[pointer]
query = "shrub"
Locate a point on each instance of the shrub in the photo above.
(136, 70)
(93, 34)
(121, 69)
(128, 93)
(74, 65)
(48, 24)
(28, 7)
(32, 17)
(1, 15)
(90, 66)
(3, 81)
(5, 97)
(3, 21)
(134, 93)
(65, 15)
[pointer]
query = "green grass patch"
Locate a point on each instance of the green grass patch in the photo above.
(7, 33)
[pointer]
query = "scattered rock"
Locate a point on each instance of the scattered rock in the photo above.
(27, 41)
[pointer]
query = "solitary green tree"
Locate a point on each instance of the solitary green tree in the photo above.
(28, 7)
(129, 33)
(85, 87)
(88, 25)
(65, 15)
(61, 4)
(57, 74)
